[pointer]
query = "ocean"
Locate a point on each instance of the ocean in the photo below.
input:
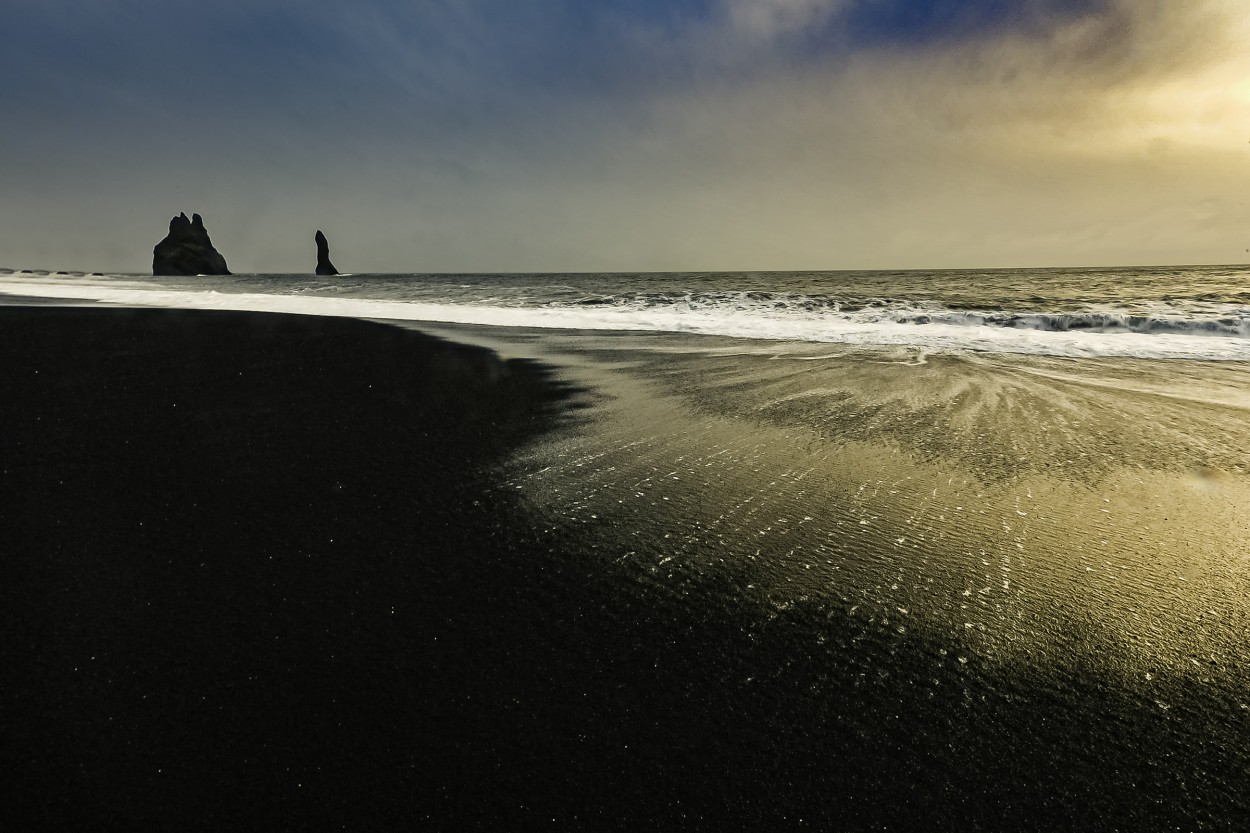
(1176, 312)
(954, 550)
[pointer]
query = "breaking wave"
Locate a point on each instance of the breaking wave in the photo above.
(1202, 319)
(1193, 329)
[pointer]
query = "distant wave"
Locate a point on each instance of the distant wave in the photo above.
(1208, 331)
(1202, 318)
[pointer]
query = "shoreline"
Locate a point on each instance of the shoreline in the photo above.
(995, 330)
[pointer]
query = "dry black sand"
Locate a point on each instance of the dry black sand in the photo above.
(254, 573)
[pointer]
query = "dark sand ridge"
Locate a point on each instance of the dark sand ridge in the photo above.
(265, 574)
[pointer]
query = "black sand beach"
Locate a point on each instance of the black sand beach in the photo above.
(299, 573)
(254, 573)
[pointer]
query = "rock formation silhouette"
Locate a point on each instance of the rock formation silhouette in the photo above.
(186, 250)
(324, 266)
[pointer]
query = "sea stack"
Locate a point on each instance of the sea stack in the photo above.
(186, 250)
(324, 266)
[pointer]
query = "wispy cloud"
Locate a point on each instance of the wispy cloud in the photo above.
(479, 134)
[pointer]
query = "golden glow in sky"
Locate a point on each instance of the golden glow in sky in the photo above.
(696, 134)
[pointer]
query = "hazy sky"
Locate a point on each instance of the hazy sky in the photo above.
(568, 135)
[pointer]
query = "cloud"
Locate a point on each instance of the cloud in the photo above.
(946, 21)
(556, 134)
(766, 20)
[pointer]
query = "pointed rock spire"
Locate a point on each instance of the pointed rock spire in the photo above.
(324, 266)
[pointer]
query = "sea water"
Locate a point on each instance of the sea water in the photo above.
(1174, 312)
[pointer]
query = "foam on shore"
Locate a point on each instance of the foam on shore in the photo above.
(925, 332)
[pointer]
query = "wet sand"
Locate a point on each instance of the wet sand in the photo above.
(308, 572)
(1025, 578)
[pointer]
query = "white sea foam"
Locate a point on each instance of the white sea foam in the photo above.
(821, 325)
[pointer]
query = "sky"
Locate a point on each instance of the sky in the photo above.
(608, 135)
